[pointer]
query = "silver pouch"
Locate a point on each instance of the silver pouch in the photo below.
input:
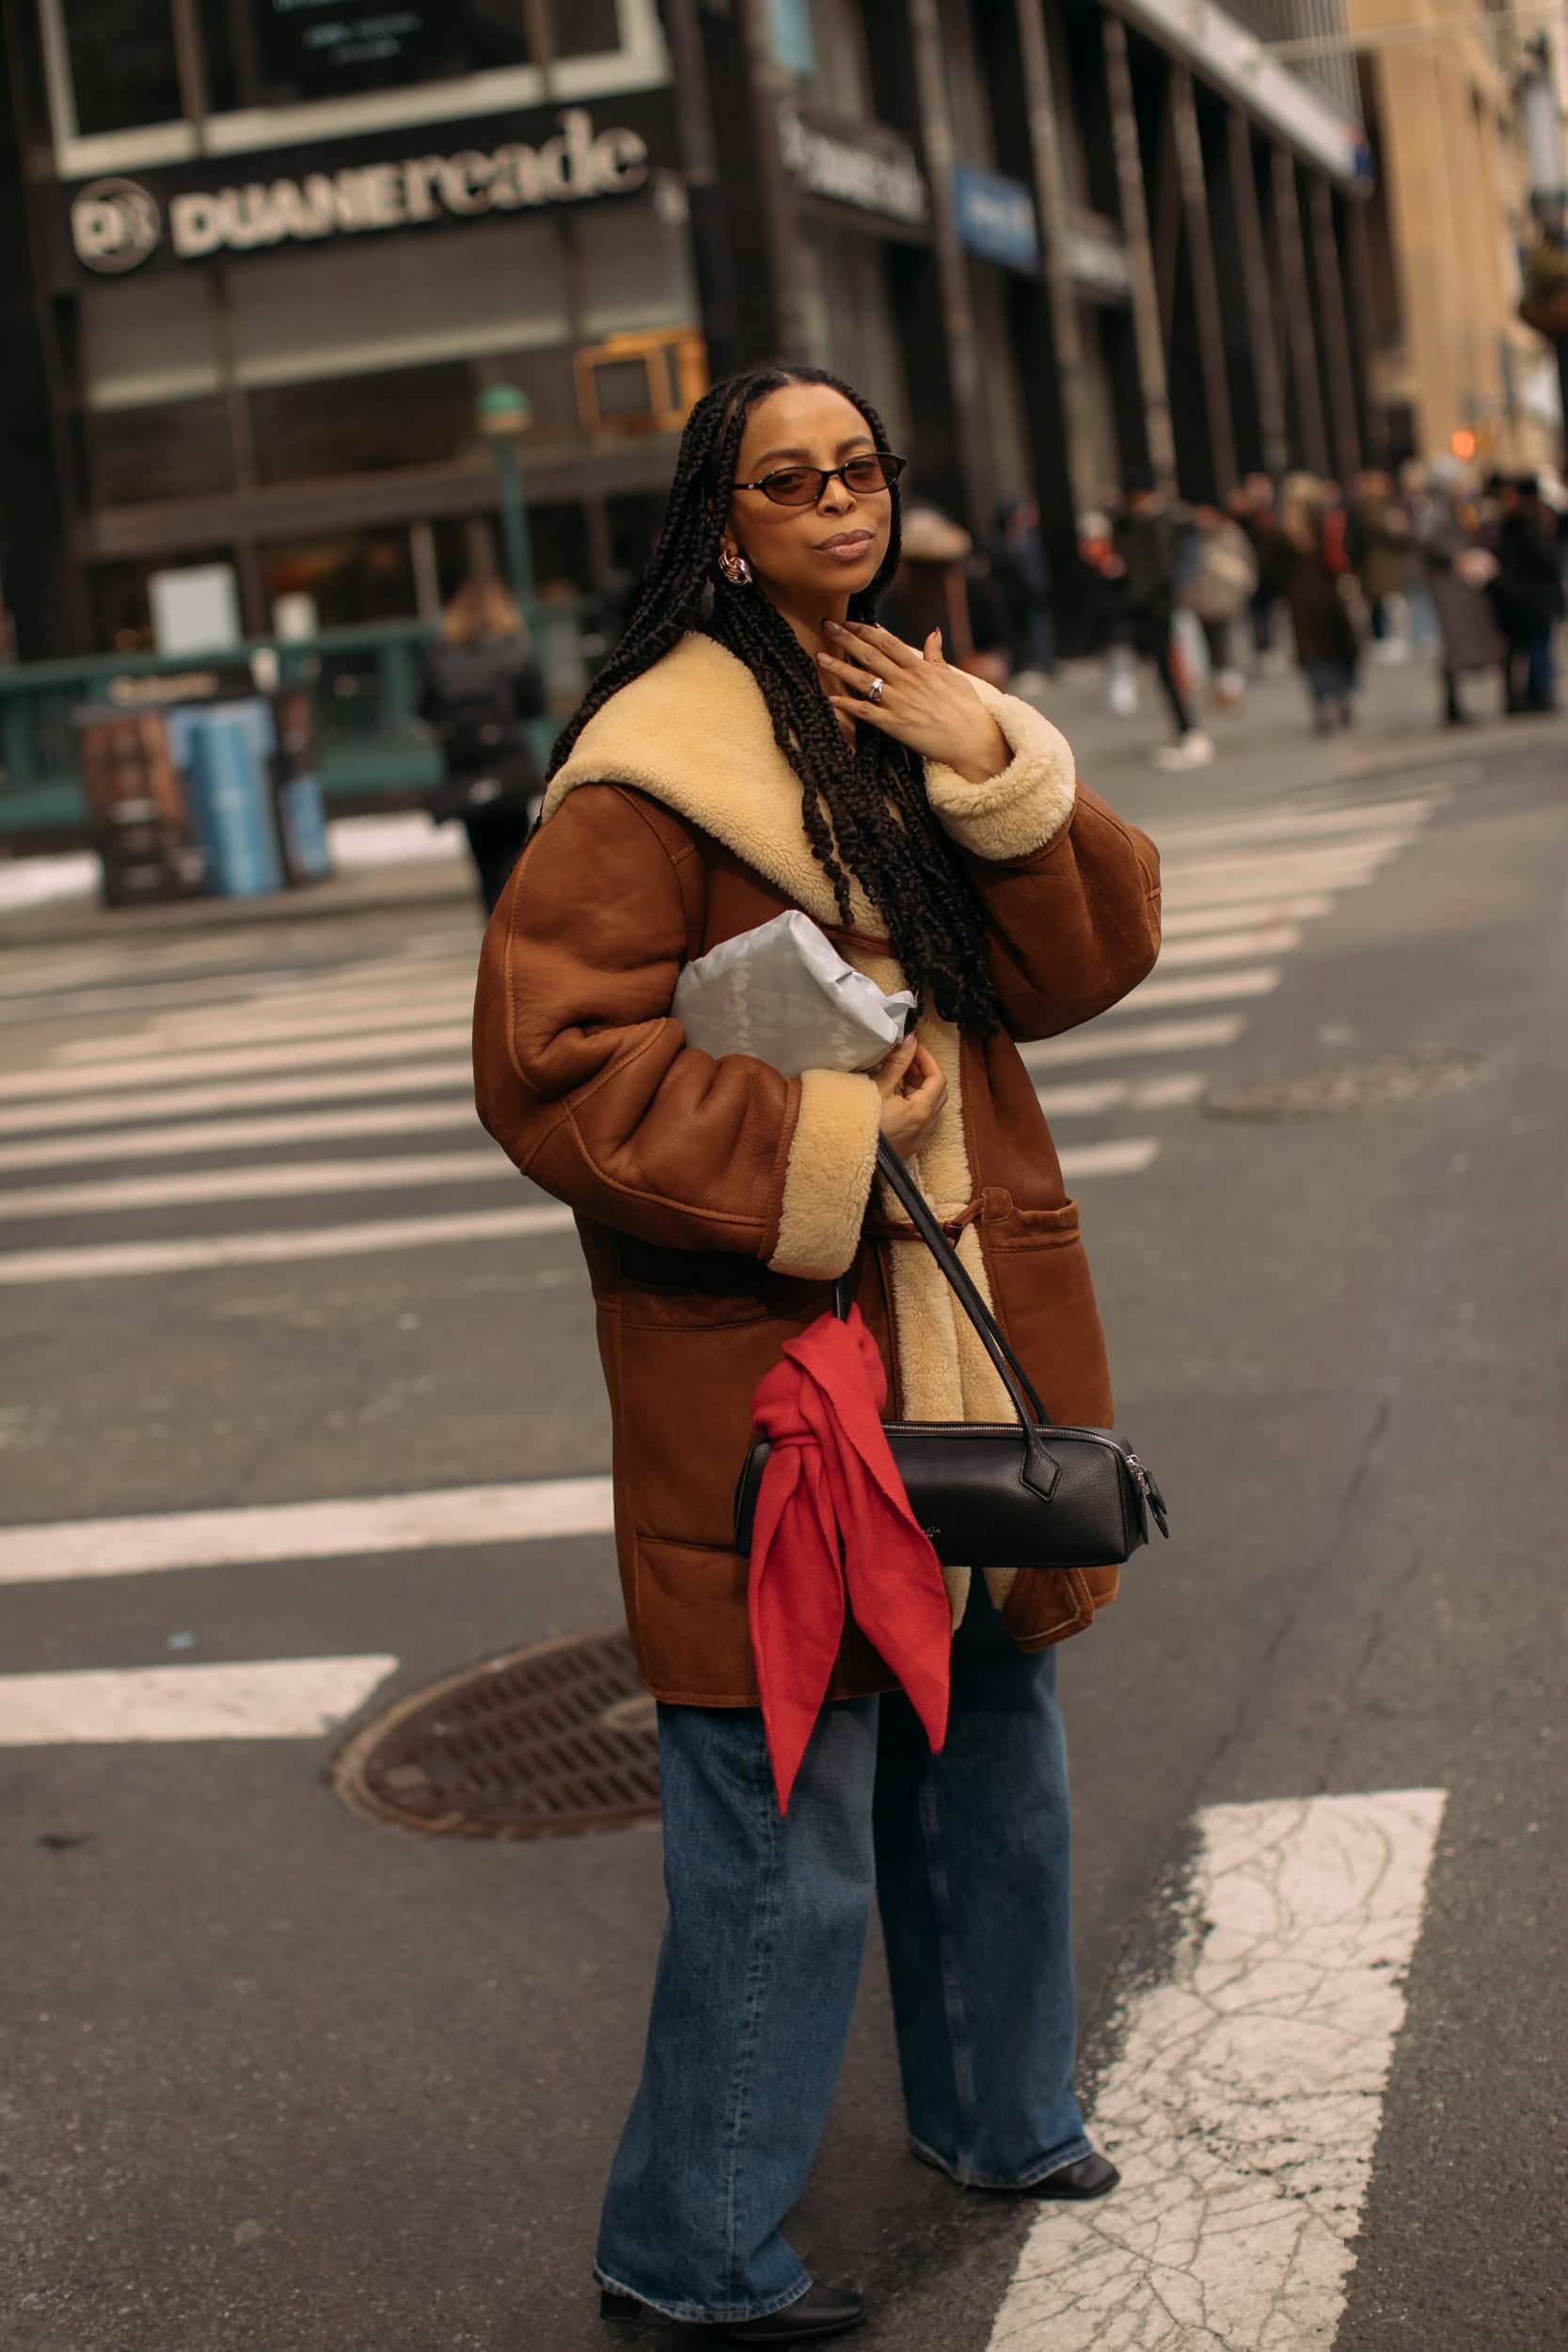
(784, 994)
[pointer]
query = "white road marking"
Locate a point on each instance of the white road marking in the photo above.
(448, 1075)
(1108, 1094)
(1128, 1155)
(1246, 2105)
(1182, 894)
(1319, 869)
(357, 1017)
(484, 1165)
(440, 1518)
(95, 1260)
(279, 1698)
(1275, 939)
(242, 1135)
(1261, 980)
(1153, 1037)
(1187, 923)
(1376, 816)
(123, 1075)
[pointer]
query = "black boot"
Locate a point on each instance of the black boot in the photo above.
(1093, 2175)
(820, 2312)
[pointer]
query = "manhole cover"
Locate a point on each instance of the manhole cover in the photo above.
(551, 1741)
(1418, 1073)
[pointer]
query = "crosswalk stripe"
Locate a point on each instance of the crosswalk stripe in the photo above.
(1109, 1094)
(1190, 922)
(1295, 868)
(119, 1076)
(1218, 890)
(1154, 1037)
(280, 1698)
(483, 1164)
(97, 1260)
(1215, 988)
(1127, 1155)
(1229, 947)
(260, 1026)
(1244, 2104)
(242, 1134)
(1383, 817)
(448, 1076)
(434, 1520)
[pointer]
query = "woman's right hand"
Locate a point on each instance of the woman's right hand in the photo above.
(913, 1090)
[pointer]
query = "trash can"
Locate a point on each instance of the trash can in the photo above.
(137, 816)
(228, 789)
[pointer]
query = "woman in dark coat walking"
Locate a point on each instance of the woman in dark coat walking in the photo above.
(481, 684)
(1328, 649)
(755, 743)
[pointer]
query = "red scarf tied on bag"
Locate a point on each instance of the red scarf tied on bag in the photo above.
(833, 1529)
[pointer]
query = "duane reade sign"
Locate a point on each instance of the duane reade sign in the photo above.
(116, 223)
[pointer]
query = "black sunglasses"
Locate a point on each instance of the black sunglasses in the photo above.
(802, 485)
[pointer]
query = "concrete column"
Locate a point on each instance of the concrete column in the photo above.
(1264, 335)
(1205, 280)
(1296, 298)
(1067, 335)
(1335, 330)
(1140, 256)
(975, 459)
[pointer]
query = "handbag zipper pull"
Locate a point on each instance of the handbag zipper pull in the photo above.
(1155, 1499)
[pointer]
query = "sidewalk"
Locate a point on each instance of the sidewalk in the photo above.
(389, 865)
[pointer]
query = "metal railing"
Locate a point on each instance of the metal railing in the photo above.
(365, 682)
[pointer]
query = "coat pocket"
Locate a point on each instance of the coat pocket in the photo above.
(1044, 1298)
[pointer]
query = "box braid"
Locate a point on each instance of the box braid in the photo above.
(864, 810)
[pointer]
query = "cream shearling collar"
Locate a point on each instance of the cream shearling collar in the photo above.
(694, 733)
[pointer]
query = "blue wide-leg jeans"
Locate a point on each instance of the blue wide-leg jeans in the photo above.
(968, 1854)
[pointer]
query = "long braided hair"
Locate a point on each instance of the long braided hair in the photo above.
(864, 809)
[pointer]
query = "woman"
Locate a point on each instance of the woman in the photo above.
(1219, 585)
(1327, 647)
(1460, 570)
(755, 743)
(482, 682)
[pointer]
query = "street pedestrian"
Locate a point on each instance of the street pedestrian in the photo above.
(1150, 543)
(942, 583)
(1255, 508)
(480, 683)
(1527, 593)
(1221, 579)
(1099, 602)
(1317, 571)
(756, 743)
(1459, 571)
(1020, 568)
(1378, 543)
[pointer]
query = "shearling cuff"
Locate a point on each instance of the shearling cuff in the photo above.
(827, 1182)
(1017, 811)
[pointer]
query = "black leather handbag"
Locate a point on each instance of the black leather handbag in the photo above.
(1017, 1494)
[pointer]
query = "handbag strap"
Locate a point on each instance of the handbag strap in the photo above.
(1019, 1388)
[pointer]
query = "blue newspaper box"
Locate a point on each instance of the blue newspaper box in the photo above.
(225, 750)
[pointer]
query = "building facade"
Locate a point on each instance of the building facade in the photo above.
(274, 256)
(1452, 365)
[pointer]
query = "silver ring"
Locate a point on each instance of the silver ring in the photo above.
(874, 691)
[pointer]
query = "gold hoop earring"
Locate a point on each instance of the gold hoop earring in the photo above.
(736, 568)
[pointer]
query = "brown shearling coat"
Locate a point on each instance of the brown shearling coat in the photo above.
(718, 1200)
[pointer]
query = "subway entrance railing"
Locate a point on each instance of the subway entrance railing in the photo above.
(366, 686)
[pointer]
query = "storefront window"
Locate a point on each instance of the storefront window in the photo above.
(401, 416)
(169, 452)
(122, 63)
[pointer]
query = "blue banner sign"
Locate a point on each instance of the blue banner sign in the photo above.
(995, 217)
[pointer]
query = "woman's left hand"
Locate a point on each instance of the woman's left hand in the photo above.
(923, 702)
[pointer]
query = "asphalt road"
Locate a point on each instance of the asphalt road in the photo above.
(278, 2079)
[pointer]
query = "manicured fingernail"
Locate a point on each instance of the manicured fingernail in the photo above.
(831, 625)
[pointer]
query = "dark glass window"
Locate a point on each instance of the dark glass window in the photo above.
(122, 66)
(275, 52)
(176, 449)
(364, 424)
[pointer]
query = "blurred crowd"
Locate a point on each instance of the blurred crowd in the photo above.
(1437, 565)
